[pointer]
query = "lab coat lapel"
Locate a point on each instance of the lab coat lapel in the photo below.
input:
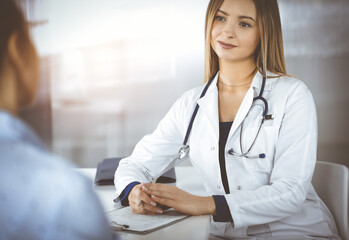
(209, 106)
(247, 102)
(243, 110)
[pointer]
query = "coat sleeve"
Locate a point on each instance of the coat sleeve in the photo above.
(155, 153)
(294, 163)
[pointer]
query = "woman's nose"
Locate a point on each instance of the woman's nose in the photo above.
(229, 30)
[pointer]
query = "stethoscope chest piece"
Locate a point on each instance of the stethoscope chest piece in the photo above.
(183, 152)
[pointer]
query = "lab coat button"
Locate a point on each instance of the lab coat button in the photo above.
(213, 148)
(238, 187)
(219, 187)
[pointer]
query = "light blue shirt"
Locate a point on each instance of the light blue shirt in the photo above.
(41, 196)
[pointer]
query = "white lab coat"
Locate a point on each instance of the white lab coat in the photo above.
(271, 195)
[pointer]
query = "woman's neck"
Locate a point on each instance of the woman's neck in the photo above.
(236, 74)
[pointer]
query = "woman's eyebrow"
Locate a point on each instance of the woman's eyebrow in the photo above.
(223, 12)
(240, 17)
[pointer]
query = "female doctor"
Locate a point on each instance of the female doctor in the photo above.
(252, 136)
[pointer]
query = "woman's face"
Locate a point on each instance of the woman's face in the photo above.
(235, 32)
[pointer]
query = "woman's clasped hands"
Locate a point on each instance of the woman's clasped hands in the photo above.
(147, 198)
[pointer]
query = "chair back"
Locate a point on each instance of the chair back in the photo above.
(331, 183)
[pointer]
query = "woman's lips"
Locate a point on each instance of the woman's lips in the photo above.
(226, 45)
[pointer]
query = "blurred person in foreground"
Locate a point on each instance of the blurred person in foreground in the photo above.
(41, 196)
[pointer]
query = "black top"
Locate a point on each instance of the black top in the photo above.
(224, 129)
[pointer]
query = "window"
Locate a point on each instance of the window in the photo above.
(114, 68)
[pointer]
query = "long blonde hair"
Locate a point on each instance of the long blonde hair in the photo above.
(269, 55)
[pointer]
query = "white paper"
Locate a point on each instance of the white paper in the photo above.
(140, 222)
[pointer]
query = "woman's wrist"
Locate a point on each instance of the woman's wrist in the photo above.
(209, 206)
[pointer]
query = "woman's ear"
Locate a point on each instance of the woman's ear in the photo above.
(23, 59)
(13, 52)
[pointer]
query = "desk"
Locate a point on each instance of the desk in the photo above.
(193, 228)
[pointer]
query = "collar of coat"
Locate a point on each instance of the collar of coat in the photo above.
(209, 103)
(256, 82)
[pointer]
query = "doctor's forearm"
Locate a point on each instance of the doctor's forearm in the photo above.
(208, 205)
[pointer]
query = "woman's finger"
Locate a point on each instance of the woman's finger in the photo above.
(135, 208)
(142, 197)
(160, 194)
(164, 201)
(158, 187)
(144, 208)
(152, 209)
(161, 190)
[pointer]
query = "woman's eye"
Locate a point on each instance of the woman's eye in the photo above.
(220, 18)
(245, 25)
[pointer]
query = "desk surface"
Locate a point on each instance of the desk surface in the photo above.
(194, 227)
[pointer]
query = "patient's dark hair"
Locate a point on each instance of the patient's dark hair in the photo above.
(12, 20)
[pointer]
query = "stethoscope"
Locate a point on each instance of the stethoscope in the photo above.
(184, 150)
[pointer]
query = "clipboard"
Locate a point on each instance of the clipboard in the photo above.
(123, 219)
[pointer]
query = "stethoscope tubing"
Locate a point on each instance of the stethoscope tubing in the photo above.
(184, 150)
(196, 111)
